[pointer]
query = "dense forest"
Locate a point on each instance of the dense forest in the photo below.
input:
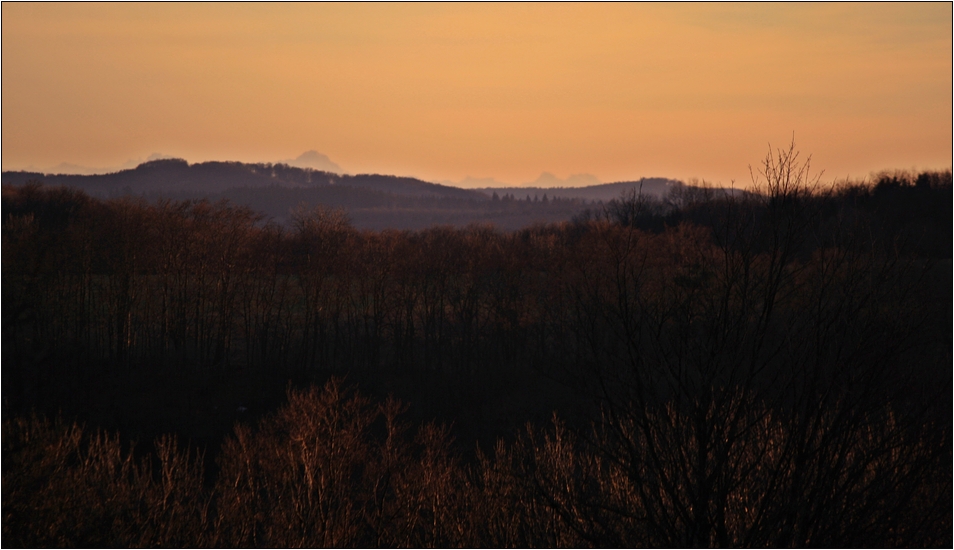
(767, 368)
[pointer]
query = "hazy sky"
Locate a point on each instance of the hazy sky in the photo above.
(445, 91)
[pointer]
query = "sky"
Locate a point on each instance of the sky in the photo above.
(446, 92)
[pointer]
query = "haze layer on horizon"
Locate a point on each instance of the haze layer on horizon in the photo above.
(504, 91)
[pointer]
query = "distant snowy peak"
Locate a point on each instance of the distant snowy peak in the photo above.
(314, 160)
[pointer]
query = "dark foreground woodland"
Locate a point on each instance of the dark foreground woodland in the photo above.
(764, 369)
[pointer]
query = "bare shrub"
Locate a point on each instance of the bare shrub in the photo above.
(64, 487)
(332, 469)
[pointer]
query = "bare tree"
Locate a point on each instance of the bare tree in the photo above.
(746, 375)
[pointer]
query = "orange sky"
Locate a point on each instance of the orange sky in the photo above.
(445, 91)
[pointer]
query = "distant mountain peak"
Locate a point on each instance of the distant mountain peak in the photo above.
(312, 155)
(314, 160)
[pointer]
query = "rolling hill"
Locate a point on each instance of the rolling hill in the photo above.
(175, 177)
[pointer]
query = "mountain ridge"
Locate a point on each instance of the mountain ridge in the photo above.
(178, 175)
(372, 201)
(655, 186)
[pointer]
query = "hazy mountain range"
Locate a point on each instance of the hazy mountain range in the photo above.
(68, 168)
(546, 179)
(169, 175)
(657, 187)
(373, 201)
(318, 161)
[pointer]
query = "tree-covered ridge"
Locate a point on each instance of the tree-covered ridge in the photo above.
(177, 175)
(372, 201)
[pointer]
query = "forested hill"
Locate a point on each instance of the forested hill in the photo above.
(371, 201)
(176, 176)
